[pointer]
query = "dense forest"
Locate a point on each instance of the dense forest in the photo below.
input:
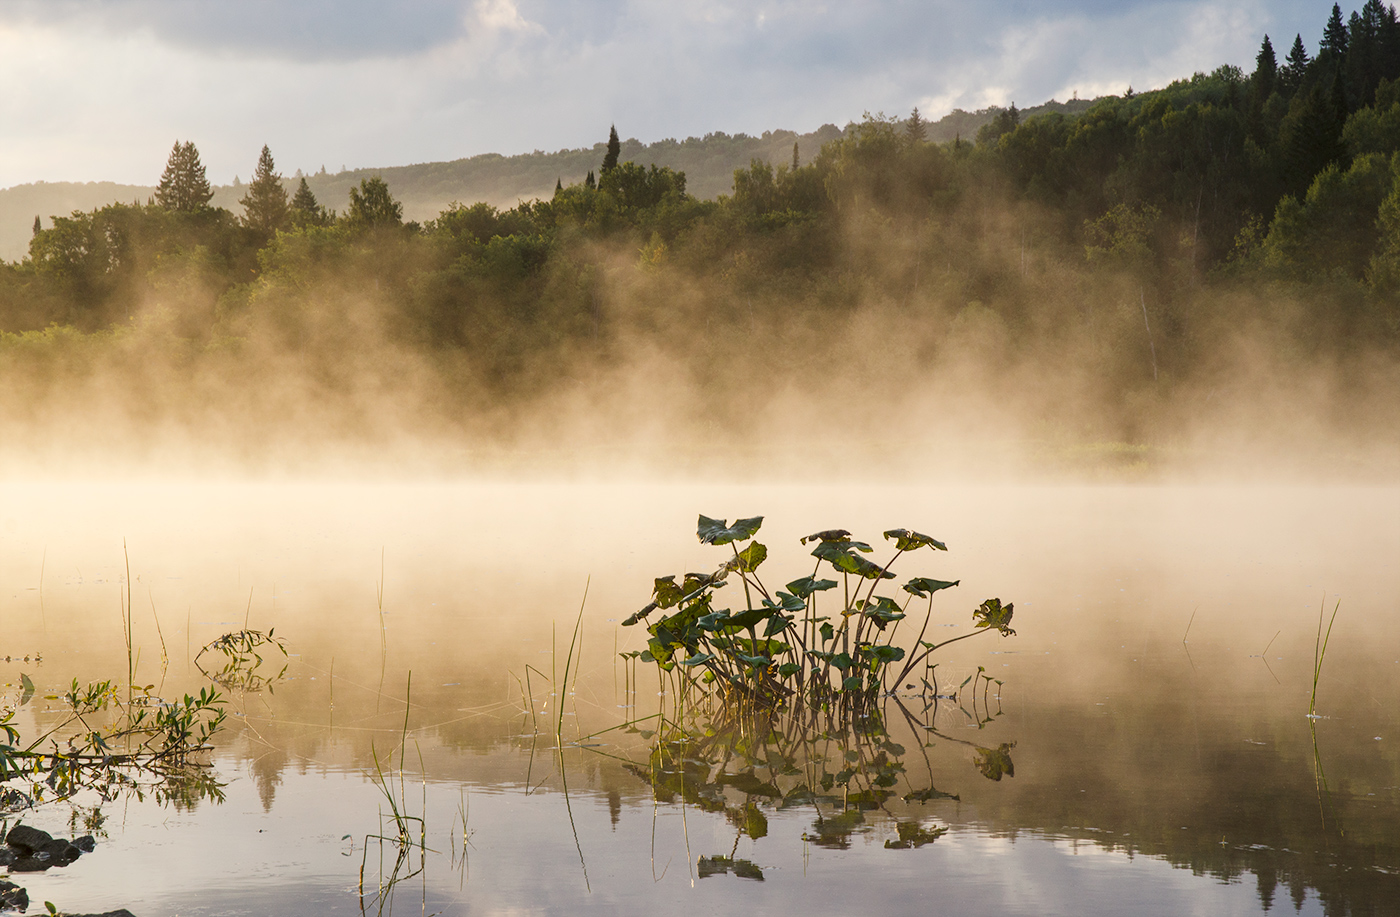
(1226, 247)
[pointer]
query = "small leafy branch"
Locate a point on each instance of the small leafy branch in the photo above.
(242, 651)
(104, 743)
(778, 645)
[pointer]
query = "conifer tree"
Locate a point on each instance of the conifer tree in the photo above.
(1334, 37)
(183, 185)
(558, 184)
(915, 132)
(265, 205)
(795, 160)
(589, 181)
(37, 225)
(1262, 83)
(1291, 74)
(305, 210)
(614, 151)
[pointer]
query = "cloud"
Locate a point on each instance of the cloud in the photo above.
(302, 30)
(100, 89)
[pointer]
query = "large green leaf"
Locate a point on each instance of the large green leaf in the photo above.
(666, 593)
(992, 613)
(839, 556)
(881, 609)
(906, 540)
(785, 603)
(885, 653)
(802, 588)
(827, 535)
(716, 531)
(923, 587)
(747, 560)
(748, 618)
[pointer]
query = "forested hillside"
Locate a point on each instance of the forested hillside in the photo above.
(1206, 253)
(425, 189)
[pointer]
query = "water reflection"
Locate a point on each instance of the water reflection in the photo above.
(1138, 772)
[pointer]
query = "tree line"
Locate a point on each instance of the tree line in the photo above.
(1134, 233)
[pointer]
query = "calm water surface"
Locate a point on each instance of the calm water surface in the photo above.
(1152, 706)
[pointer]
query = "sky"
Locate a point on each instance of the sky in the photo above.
(94, 90)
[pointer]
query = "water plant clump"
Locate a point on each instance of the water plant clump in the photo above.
(242, 654)
(822, 642)
(110, 744)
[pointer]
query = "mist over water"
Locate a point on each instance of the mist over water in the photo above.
(1144, 713)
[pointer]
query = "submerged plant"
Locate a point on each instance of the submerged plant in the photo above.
(778, 644)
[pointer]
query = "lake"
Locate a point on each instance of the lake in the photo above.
(1142, 745)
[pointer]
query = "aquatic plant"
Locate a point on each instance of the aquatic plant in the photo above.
(399, 831)
(147, 745)
(242, 652)
(777, 645)
(750, 764)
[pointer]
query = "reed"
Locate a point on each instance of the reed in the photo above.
(1320, 651)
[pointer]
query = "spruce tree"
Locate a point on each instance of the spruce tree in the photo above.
(183, 185)
(1334, 37)
(1291, 74)
(265, 205)
(915, 132)
(614, 151)
(305, 210)
(1262, 83)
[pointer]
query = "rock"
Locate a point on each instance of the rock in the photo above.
(12, 897)
(60, 852)
(87, 843)
(37, 863)
(26, 839)
(7, 856)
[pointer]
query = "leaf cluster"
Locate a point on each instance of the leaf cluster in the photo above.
(782, 643)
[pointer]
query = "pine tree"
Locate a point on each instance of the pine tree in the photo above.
(614, 151)
(265, 205)
(38, 227)
(558, 184)
(915, 133)
(1291, 74)
(589, 181)
(1265, 77)
(183, 185)
(795, 161)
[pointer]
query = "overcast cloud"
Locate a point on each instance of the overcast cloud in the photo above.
(101, 89)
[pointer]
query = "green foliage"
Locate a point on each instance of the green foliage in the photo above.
(146, 745)
(183, 185)
(1332, 228)
(265, 207)
(242, 653)
(373, 207)
(815, 659)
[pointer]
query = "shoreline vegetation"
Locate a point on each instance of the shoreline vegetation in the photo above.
(1212, 267)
